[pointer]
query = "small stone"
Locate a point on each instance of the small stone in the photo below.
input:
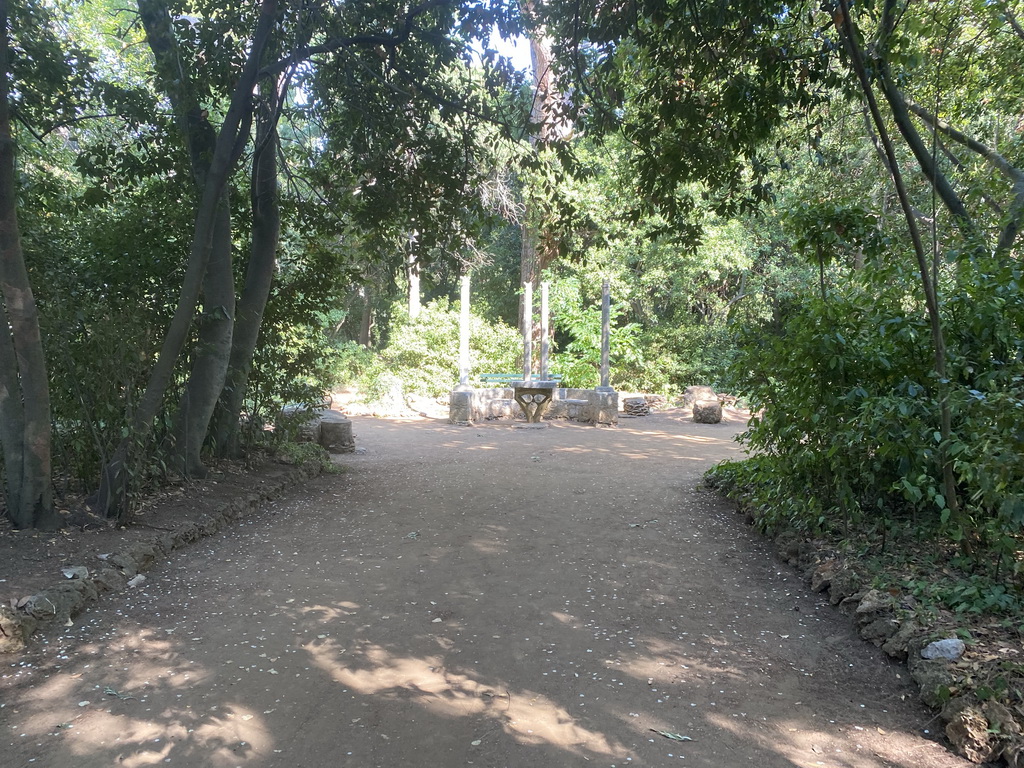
(75, 572)
(968, 730)
(821, 578)
(134, 581)
(952, 649)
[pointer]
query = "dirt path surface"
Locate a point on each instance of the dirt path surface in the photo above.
(484, 596)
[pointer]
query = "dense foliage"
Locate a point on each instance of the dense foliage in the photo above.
(814, 206)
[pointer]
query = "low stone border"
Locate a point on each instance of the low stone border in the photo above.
(55, 606)
(981, 731)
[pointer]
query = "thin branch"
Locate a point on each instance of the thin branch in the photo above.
(1012, 19)
(1016, 212)
(991, 155)
(28, 127)
(898, 104)
(391, 41)
(957, 163)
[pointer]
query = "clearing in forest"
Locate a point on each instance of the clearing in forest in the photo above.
(480, 596)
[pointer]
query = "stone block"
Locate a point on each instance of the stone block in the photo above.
(460, 408)
(707, 411)
(336, 433)
(605, 406)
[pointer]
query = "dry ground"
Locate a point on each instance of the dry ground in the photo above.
(485, 596)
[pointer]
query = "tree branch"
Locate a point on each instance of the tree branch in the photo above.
(992, 156)
(996, 160)
(391, 41)
(901, 115)
(957, 163)
(1012, 20)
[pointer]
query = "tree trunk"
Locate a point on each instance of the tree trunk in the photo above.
(366, 323)
(538, 252)
(112, 495)
(206, 380)
(24, 387)
(259, 276)
(412, 271)
(850, 36)
(12, 419)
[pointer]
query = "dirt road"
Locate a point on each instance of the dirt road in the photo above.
(484, 596)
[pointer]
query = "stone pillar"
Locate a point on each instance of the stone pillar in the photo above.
(413, 271)
(460, 407)
(464, 335)
(606, 313)
(544, 345)
(527, 331)
(606, 409)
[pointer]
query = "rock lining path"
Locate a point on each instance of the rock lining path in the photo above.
(481, 596)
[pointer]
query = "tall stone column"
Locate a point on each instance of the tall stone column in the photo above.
(607, 405)
(527, 331)
(461, 402)
(544, 343)
(606, 314)
(464, 334)
(413, 271)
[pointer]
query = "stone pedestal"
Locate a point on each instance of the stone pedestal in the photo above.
(707, 411)
(460, 407)
(336, 432)
(606, 409)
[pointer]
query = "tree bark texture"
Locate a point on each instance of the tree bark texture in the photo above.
(851, 37)
(259, 276)
(210, 367)
(412, 271)
(366, 322)
(538, 251)
(24, 387)
(112, 497)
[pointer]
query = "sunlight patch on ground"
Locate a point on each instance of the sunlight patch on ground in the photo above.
(103, 709)
(330, 613)
(527, 716)
(808, 747)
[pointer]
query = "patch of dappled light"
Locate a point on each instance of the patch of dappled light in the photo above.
(803, 744)
(529, 717)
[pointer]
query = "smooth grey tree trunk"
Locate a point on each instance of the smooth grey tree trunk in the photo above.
(259, 277)
(206, 381)
(538, 252)
(366, 322)
(24, 387)
(112, 495)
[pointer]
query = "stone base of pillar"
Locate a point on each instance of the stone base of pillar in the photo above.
(606, 410)
(336, 433)
(460, 408)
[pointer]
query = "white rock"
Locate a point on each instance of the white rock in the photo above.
(951, 648)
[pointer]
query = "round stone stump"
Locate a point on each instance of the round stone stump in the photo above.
(707, 411)
(336, 433)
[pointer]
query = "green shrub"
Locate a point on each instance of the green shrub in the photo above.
(423, 354)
